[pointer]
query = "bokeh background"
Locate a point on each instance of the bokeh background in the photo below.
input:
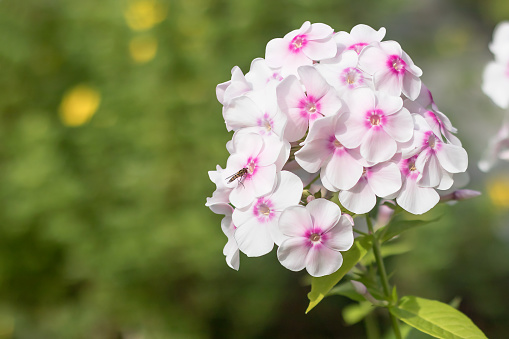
(109, 124)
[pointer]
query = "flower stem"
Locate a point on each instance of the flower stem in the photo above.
(383, 274)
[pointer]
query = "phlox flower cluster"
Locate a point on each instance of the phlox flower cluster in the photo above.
(341, 114)
(496, 86)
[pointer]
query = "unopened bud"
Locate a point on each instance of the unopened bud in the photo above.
(460, 195)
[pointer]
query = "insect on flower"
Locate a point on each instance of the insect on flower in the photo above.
(241, 175)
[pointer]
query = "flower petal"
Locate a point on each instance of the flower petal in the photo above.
(378, 146)
(293, 252)
(253, 238)
(321, 261)
(324, 213)
(340, 237)
(295, 221)
(359, 199)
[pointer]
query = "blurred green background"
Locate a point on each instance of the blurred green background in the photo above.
(109, 124)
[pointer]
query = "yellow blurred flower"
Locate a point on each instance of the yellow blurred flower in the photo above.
(79, 104)
(498, 191)
(142, 15)
(143, 48)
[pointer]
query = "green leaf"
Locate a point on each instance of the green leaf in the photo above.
(435, 318)
(354, 313)
(347, 290)
(387, 251)
(322, 285)
(398, 226)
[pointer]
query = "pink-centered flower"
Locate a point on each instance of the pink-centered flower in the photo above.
(377, 122)
(392, 69)
(257, 161)
(306, 101)
(380, 180)
(438, 121)
(257, 224)
(342, 72)
(412, 197)
(257, 110)
(340, 167)
(260, 74)
(312, 42)
(436, 160)
(317, 233)
(359, 37)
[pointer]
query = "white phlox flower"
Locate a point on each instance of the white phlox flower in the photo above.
(340, 167)
(316, 235)
(257, 224)
(312, 42)
(392, 69)
(342, 72)
(498, 148)
(436, 160)
(377, 122)
(231, 249)
(438, 121)
(257, 159)
(304, 103)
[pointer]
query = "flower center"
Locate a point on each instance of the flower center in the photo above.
(315, 237)
(297, 42)
(432, 141)
(264, 209)
(396, 64)
(375, 119)
(358, 47)
(411, 166)
(337, 144)
(251, 167)
(311, 107)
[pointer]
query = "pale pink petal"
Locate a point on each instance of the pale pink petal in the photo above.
(322, 129)
(277, 236)
(324, 213)
(389, 104)
(400, 126)
(372, 59)
(235, 162)
(249, 144)
(446, 182)
(242, 112)
(431, 171)
(296, 125)
(391, 48)
(415, 199)
(283, 156)
(287, 192)
(220, 89)
(293, 61)
(271, 150)
(453, 159)
(262, 180)
(330, 103)
(384, 179)
(352, 132)
(313, 155)
(385, 80)
(319, 31)
(315, 84)
(359, 199)
(326, 183)
(254, 239)
(360, 100)
(343, 171)
(340, 237)
(292, 253)
(276, 52)
(365, 33)
(295, 221)
(320, 49)
(241, 215)
(378, 146)
(322, 261)
(411, 86)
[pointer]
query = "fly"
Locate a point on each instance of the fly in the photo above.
(241, 175)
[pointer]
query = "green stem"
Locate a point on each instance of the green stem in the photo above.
(312, 181)
(383, 274)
